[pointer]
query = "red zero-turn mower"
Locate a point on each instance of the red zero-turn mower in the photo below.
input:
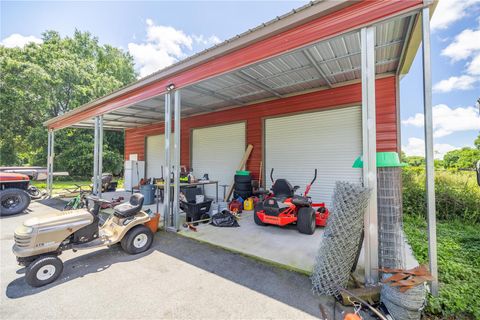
(282, 207)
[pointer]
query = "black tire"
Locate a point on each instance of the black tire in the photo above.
(43, 271)
(258, 222)
(13, 201)
(243, 186)
(306, 220)
(137, 240)
(243, 179)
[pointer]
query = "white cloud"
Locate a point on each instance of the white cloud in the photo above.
(447, 121)
(466, 44)
(464, 82)
(164, 46)
(416, 147)
(474, 65)
(17, 40)
(450, 11)
(207, 41)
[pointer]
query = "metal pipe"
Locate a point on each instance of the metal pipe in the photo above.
(52, 155)
(367, 36)
(429, 160)
(167, 168)
(100, 155)
(95, 158)
(176, 160)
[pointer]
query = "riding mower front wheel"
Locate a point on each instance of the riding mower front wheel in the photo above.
(43, 270)
(306, 220)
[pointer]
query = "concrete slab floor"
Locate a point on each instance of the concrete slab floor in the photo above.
(278, 245)
(178, 278)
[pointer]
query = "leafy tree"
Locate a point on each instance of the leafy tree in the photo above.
(41, 81)
(477, 142)
(464, 158)
(415, 161)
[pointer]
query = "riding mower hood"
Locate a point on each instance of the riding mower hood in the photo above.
(282, 207)
(39, 241)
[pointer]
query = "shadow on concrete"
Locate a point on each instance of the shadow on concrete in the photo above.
(288, 287)
(77, 267)
(53, 203)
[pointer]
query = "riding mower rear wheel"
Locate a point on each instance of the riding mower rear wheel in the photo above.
(306, 220)
(137, 240)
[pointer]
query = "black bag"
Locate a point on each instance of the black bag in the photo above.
(224, 219)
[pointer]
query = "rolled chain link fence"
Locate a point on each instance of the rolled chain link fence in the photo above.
(341, 239)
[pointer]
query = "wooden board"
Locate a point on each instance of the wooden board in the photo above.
(246, 155)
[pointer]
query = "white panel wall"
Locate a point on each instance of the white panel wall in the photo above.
(218, 151)
(327, 140)
(155, 157)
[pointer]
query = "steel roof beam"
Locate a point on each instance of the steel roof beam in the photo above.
(130, 115)
(244, 76)
(215, 94)
(315, 65)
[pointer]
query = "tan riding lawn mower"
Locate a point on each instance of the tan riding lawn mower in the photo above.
(39, 241)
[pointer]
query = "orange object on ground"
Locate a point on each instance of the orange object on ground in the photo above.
(352, 316)
(153, 223)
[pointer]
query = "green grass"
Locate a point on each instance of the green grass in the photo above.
(63, 186)
(458, 265)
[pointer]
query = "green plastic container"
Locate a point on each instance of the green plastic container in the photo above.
(384, 159)
(243, 172)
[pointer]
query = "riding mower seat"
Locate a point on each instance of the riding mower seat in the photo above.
(131, 208)
(282, 189)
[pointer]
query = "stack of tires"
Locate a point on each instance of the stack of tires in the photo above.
(243, 185)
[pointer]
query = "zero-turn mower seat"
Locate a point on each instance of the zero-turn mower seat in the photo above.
(282, 189)
(130, 208)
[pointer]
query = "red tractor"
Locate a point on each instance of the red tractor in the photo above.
(14, 196)
(282, 207)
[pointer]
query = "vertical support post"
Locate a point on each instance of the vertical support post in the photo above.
(176, 160)
(100, 155)
(369, 153)
(167, 168)
(50, 156)
(429, 160)
(95, 157)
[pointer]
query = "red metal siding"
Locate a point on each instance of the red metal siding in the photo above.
(351, 17)
(254, 114)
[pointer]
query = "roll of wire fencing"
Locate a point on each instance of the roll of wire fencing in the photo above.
(341, 240)
(391, 240)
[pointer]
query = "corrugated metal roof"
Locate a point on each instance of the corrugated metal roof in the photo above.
(323, 64)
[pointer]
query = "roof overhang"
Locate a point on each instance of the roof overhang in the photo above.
(312, 48)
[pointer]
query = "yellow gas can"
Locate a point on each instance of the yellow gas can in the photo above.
(248, 204)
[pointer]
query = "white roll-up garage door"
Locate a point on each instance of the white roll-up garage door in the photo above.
(155, 157)
(327, 140)
(218, 151)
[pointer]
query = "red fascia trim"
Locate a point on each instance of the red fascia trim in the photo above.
(351, 17)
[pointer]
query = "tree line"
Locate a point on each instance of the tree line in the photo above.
(42, 81)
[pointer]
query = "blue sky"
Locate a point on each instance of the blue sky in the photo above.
(159, 33)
